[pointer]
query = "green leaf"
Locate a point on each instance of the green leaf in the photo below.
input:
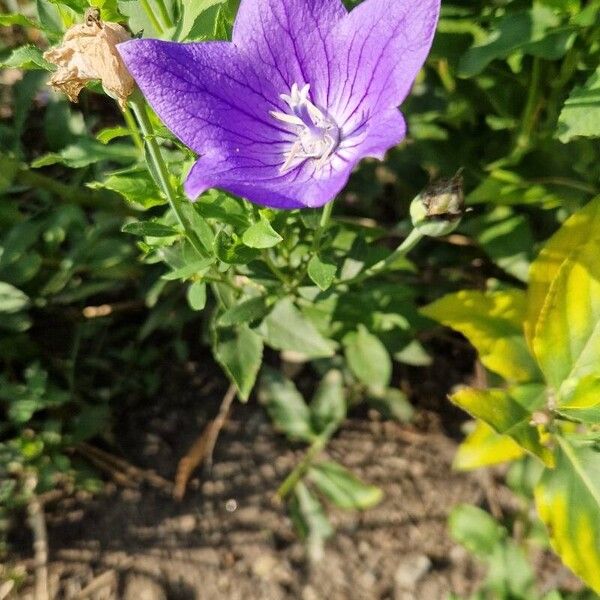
(246, 311)
(286, 328)
(475, 529)
(493, 323)
(568, 502)
(149, 229)
(328, 407)
(27, 57)
(322, 273)
(231, 249)
(286, 406)
(137, 187)
(12, 299)
(582, 402)
(580, 115)
(17, 19)
(261, 235)
(508, 412)
(239, 351)
(343, 488)
(309, 518)
(86, 152)
(484, 447)
(531, 32)
(196, 295)
(564, 301)
(368, 358)
(198, 19)
(392, 403)
(110, 133)
(414, 354)
(192, 269)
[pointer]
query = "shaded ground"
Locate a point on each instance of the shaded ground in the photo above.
(229, 539)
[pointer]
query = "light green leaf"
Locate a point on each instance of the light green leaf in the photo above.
(246, 311)
(568, 502)
(328, 407)
(343, 488)
(239, 352)
(110, 133)
(563, 321)
(286, 406)
(580, 400)
(322, 273)
(493, 323)
(286, 328)
(12, 299)
(86, 152)
(198, 19)
(196, 295)
(17, 19)
(392, 403)
(195, 268)
(137, 187)
(27, 57)
(580, 115)
(261, 235)
(508, 412)
(484, 447)
(475, 529)
(368, 358)
(149, 229)
(310, 520)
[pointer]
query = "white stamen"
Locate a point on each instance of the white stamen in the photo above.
(318, 134)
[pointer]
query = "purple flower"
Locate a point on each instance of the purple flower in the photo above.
(282, 114)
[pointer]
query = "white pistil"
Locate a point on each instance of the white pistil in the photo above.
(318, 134)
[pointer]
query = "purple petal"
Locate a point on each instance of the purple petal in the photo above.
(379, 49)
(265, 185)
(208, 96)
(288, 37)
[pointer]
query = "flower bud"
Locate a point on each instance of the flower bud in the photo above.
(437, 210)
(89, 52)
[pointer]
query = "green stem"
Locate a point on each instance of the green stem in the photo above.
(528, 119)
(304, 465)
(323, 224)
(133, 129)
(413, 238)
(160, 168)
(150, 14)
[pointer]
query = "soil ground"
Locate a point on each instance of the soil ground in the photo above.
(229, 540)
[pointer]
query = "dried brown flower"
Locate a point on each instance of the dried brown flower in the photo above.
(89, 52)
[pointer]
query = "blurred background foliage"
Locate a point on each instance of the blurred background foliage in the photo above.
(92, 318)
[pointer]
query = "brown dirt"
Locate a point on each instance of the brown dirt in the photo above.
(229, 539)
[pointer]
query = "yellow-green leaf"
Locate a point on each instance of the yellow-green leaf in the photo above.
(508, 412)
(563, 317)
(484, 447)
(493, 323)
(568, 502)
(582, 402)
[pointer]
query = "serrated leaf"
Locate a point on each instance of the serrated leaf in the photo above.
(137, 187)
(239, 351)
(508, 412)
(493, 323)
(245, 312)
(564, 301)
(149, 229)
(342, 488)
(261, 235)
(580, 115)
(286, 328)
(484, 447)
(368, 358)
(568, 502)
(87, 152)
(27, 57)
(198, 19)
(286, 406)
(322, 273)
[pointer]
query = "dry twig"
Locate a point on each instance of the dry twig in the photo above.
(202, 449)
